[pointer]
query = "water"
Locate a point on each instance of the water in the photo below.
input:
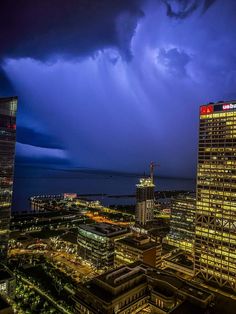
(31, 181)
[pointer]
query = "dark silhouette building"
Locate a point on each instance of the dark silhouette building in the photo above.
(8, 108)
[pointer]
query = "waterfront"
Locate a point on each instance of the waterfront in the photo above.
(39, 181)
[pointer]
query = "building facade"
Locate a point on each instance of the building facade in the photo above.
(8, 108)
(138, 288)
(96, 243)
(215, 234)
(182, 223)
(142, 248)
(144, 201)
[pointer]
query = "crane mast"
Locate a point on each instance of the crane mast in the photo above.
(152, 167)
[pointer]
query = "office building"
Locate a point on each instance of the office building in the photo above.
(138, 287)
(141, 248)
(182, 222)
(96, 243)
(215, 239)
(7, 157)
(144, 201)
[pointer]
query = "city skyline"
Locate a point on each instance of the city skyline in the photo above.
(127, 91)
(105, 90)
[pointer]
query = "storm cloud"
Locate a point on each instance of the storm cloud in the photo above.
(116, 84)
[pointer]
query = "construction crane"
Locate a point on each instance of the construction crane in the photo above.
(152, 167)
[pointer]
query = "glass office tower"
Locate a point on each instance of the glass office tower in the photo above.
(182, 222)
(7, 157)
(215, 233)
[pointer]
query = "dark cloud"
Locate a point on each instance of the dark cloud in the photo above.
(108, 113)
(175, 61)
(125, 28)
(47, 30)
(40, 29)
(31, 153)
(31, 137)
(181, 9)
(207, 4)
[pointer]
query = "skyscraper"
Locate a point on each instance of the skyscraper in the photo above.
(7, 156)
(145, 201)
(215, 233)
(182, 222)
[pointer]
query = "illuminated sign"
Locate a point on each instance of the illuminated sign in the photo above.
(229, 106)
(206, 109)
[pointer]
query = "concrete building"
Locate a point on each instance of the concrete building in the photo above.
(7, 159)
(145, 201)
(215, 233)
(132, 249)
(135, 287)
(96, 243)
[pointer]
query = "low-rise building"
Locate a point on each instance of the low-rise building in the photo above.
(7, 282)
(137, 248)
(131, 288)
(181, 263)
(96, 243)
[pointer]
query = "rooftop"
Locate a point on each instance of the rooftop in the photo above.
(120, 275)
(145, 182)
(104, 286)
(142, 243)
(4, 99)
(112, 284)
(182, 259)
(103, 229)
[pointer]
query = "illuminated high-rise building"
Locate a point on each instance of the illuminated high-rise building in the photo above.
(145, 201)
(7, 157)
(215, 232)
(182, 223)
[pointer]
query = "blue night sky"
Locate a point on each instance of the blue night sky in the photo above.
(112, 84)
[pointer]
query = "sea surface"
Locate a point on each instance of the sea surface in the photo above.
(30, 181)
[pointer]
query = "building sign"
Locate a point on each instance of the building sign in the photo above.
(229, 106)
(208, 109)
